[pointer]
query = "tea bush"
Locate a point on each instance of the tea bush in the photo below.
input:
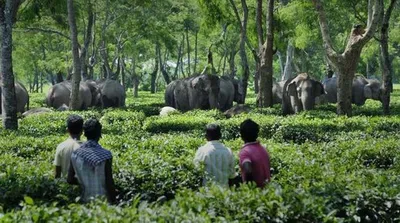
(325, 168)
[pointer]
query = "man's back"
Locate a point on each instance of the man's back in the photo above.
(258, 156)
(89, 163)
(63, 154)
(218, 161)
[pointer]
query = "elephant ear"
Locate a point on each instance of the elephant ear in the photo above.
(318, 89)
(367, 91)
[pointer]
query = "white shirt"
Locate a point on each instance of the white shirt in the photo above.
(218, 160)
(63, 154)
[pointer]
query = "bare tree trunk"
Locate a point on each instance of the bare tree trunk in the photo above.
(232, 68)
(76, 77)
(135, 79)
(243, 37)
(195, 52)
(260, 40)
(188, 49)
(177, 62)
(345, 64)
(266, 69)
(386, 66)
(288, 71)
(8, 10)
(88, 39)
(123, 77)
(162, 67)
(41, 82)
(155, 71)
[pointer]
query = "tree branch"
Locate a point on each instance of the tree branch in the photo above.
(43, 30)
(331, 53)
(374, 22)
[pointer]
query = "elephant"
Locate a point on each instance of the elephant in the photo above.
(230, 90)
(112, 93)
(237, 109)
(362, 89)
(299, 94)
(198, 92)
(21, 95)
(59, 95)
(169, 94)
(36, 111)
(277, 89)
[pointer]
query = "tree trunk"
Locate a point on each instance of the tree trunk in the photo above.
(88, 39)
(266, 69)
(8, 11)
(345, 64)
(162, 67)
(178, 61)
(155, 71)
(76, 77)
(260, 40)
(135, 79)
(41, 82)
(123, 77)
(243, 55)
(195, 52)
(232, 68)
(386, 65)
(288, 71)
(188, 50)
(59, 77)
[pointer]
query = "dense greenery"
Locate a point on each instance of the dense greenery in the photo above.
(325, 167)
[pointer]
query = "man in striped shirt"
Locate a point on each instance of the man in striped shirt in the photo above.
(218, 160)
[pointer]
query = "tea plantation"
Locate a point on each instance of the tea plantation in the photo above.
(325, 168)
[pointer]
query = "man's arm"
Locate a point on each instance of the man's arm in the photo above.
(71, 179)
(110, 186)
(57, 172)
(248, 177)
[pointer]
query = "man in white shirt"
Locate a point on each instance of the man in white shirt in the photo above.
(64, 150)
(218, 160)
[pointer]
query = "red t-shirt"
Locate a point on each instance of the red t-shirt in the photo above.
(255, 153)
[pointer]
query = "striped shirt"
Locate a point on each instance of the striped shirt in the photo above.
(218, 161)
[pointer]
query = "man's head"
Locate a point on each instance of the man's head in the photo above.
(74, 125)
(92, 128)
(249, 130)
(213, 132)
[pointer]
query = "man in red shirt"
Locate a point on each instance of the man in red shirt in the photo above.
(253, 157)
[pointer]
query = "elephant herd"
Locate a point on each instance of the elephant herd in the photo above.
(102, 93)
(295, 94)
(207, 92)
(204, 92)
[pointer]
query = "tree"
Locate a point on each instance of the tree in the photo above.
(243, 39)
(8, 12)
(76, 77)
(266, 68)
(386, 66)
(345, 64)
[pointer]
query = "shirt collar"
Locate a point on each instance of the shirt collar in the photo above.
(251, 143)
(214, 142)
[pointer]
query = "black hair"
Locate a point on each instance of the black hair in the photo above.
(75, 124)
(249, 130)
(213, 132)
(92, 128)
